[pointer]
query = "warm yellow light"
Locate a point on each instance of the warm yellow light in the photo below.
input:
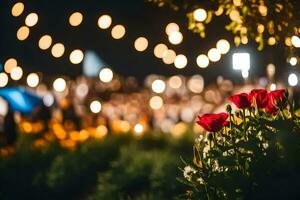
(293, 61)
(271, 41)
(288, 41)
(104, 21)
(175, 37)
(106, 75)
(296, 41)
(160, 50)
(202, 61)
(237, 2)
(200, 15)
(33, 80)
(263, 10)
(223, 46)
(59, 84)
(172, 27)
(169, 56)
(180, 61)
(75, 19)
(214, 55)
(138, 128)
(260, 28)
(244, 40)
(118, 31)
(58, 50)
(3, 79)
(45, 42)
(101, 131)
(234, 15)
(10, 64)
(23, 33)
(17, 9)
(31, 19)
(16, 73)
(95, 106)
(175, 82)
(141, 44)
(76, 56)
(196, 84)
(158, 86)
(156, 102)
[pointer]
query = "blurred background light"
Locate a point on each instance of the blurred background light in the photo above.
(214, 55)
(104, 21)
(175, 37)
(158, 86)
(160, 50)
(118, 31)
(58, 50)
(241, 61)
(180, 61)
(223, 46)
(138, 128)
(48, 99)
(273, 87)
(293, 61)
(32, 80)
(200, 15)
(3, 79)
(141, 44)
(10, 64)
(76, 56)
(202, 61)
(92, 64)
(169, 56)
(156, 102)
(175, 82)
(95, 106)
(172, 27)
(75, 19)
(293, 79)
(296, 41)
(23, 33)
(196, 84)
(31, 19)
(245, 74)
(16, 73)
(17, 9)
(106, 75)
(45, 42)
(3, 107)
(59, 84)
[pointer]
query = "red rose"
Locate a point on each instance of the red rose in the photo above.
(278, 97)
(242, 100)
(261, 97)
(271, 109)
(213, 122)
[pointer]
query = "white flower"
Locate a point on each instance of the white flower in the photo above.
(188, 171)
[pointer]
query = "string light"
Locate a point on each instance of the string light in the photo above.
(141, 44)
(160, 50)
(3, 79)
(293, 79)
(106, 75)
(169, 56)
(10, 64)
(95, 106)
(45, 42)
(16, 73)
(23, 33)
(76, 56)
(175, 37)
(156, 102)
(172, 27)
(214, 55)
(59, 84)
(17, 9)
(104, 21)
(180, 61)
(296, 41)
(293, 61)
(158, 86)
(31, 19)
(118, 31)
(32, 80)
(200, 15)
(75, 19)
(202, 61)
(175, 82)
(58, 50)
(223, 46)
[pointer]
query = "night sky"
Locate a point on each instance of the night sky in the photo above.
(140, 19)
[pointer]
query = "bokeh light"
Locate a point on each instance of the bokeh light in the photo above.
(104, 21)
(293, 79)
(200, 14)
(118, 31)
(202, 61)
(296, 41)
(58, 50)
(10, 64)
(293, 61)
(214, 55)
(95, 106)
(59, 84)
(48, 99)
(31, 19)
(158, 86)
(141, 44)
(175, 82)
(196, 84)
(23, 33)
(156, 102)
(223, 46)
(16, 73)
(3, 79)
(273, 87)
(32, 80)
(160, 50)
(17, 9)
(175, 37)
(172, 27)
(180, 61)
(75, 19)
(45, 42)
(76, 56)
(106, 75)
(138, 128)
(169, 56)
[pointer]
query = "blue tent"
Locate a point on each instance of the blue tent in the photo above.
(20, 99)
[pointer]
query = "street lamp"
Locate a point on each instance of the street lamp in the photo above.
(241, 61)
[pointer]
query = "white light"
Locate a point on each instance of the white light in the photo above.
(156, 102)
(16, 73)
(95, 106)
(104, 21)
(31, 19)
(223, 46)
(293, 61)
(138, 128)
(33, 80)
(273, 87)
(3, 79)
(76, 56)
(296, 41)
(180, 61)
(200, 15)
(293, 79)
(158, 86)
(245, 74)
(202, 61)
(106, 75)
(48, 99)
(171, 27)
(241, 61)
(175, 37)
(3, 107)
(59, 84)
(214, 55)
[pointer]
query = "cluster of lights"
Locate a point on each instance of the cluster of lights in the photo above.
(10, 67)
(174, 35)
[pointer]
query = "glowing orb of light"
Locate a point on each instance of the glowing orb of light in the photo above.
(106, 75)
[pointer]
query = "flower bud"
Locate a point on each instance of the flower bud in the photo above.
(228, 108)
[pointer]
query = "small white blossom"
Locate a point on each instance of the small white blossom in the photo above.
(188, 171)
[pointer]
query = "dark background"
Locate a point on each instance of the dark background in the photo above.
(140, 18)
